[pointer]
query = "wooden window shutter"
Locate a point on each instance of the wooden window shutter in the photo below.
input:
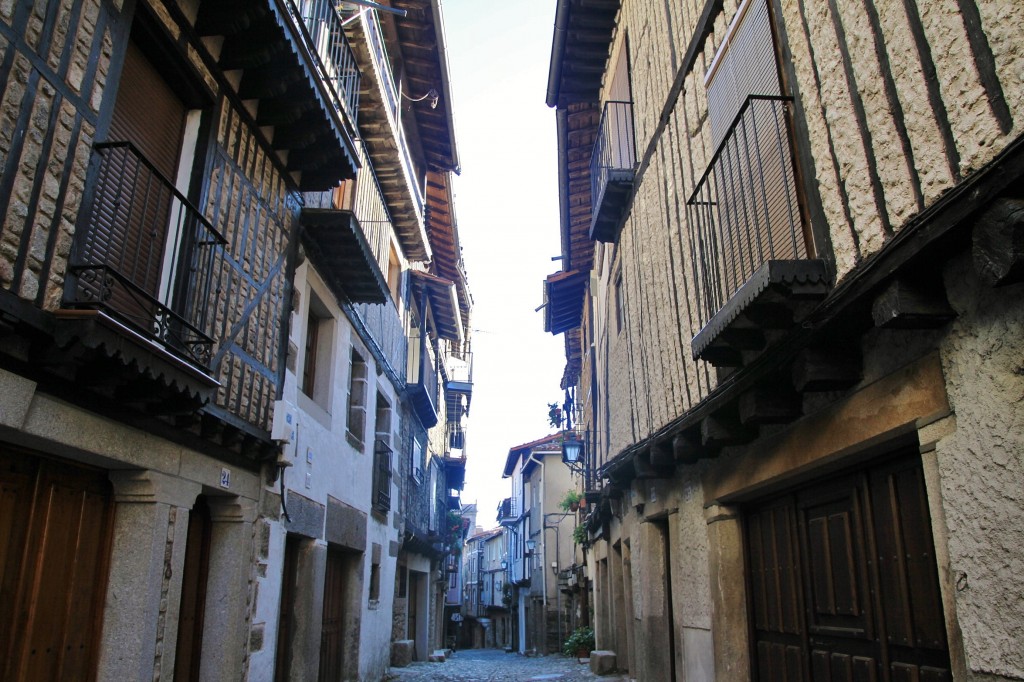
(745, 65)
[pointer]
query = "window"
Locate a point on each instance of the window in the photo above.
(316, 358)
(744, 211)
(394, 274)
(416, 460)
(146, 249)
(357, 400)
(374, 584)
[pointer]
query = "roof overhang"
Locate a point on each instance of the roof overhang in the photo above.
(335, 243)
(261, 41)
(563, 298)
(444, 303)
(425, 58)
(579, 50)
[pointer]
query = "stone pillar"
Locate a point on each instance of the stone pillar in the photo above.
(728, 593)
(140, 619)
(225, 621)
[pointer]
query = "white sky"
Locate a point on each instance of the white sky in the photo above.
(507, 209)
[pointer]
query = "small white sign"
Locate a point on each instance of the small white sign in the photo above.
(225, 478)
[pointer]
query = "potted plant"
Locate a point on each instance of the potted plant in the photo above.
(571, 501)
(580, 643)
(555, 415)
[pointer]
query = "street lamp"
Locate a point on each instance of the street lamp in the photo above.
(531, 545)
(572, 452)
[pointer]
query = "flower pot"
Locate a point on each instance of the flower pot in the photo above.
(574, 506)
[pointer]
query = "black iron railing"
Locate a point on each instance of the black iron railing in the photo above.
(456, 436)
(149, 255)
(744, 210)
(614, 155)
(381, 476)
(324, 35)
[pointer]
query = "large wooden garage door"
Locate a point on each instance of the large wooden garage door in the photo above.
(55, 522)
(843, 581)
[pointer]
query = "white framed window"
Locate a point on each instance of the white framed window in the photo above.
(357, 390)
(318, 346)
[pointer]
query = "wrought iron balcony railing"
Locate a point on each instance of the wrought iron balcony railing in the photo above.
(612, 167)
(744, 211)
(149, 257)
(381, 476)
(322, 31)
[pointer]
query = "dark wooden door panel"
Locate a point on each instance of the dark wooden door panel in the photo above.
(332, 652)
(843, 581)
(55, 523)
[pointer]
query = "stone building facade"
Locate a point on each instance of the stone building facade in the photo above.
(791, 239)
(199, 199)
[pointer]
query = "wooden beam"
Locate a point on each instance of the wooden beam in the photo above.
(770, 405)
(910, 305)
(998, 243)
(834, 368)
(723, 430)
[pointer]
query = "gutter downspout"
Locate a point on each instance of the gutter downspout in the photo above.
(557, 49)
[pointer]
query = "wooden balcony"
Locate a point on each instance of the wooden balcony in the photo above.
(754, 275)
(612, 168)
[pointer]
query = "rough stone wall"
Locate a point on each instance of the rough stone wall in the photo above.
(49, 106)
(249, 202)
(981, 466)
(872, 178)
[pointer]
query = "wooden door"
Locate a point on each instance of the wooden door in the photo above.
(55, 523)
(412, 609)
(843, 581)
(193, 593)
(332, 639)
(285, 622)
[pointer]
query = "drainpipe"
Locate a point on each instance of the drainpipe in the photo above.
(543, 573)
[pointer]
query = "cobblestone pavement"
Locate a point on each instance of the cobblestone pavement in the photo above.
(494, 665)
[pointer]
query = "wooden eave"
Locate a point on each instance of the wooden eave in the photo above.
(440, 293)
(379, 142)
(445, 245)
(315, 140)
(563, 298)
(579, 50)
(582, 121)
(338, 249)
(424, 54)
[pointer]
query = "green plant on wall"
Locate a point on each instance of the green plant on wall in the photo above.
(571, 501)
(580, 535)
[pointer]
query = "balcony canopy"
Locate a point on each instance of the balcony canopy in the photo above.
(312, 119)
(338, 248)
(440, 293)
(563, 296)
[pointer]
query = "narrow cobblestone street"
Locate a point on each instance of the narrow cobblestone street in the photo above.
(486, 665)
